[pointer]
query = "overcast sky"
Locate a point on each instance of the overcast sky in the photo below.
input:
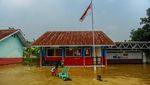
(34, 17)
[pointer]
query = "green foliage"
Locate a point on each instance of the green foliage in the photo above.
(142, 34)
(146, 20)
(33, 51)
(26, 62)
(31, 56)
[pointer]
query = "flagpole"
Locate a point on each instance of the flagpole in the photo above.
(94, 56)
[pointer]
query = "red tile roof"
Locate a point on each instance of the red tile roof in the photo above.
(72, 38)
(4, 33)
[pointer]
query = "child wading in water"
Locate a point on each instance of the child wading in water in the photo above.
(54, 71)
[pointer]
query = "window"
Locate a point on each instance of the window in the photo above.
(54, 52)
(121, 56)
(114, 56)
(50, 52)
(125, 54)
(58, 52)
(13, 35)
(69, 51)
(77, 52)
(87, 52)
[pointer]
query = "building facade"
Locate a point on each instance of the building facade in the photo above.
(132, 52)
(12, 44)
(73, 48)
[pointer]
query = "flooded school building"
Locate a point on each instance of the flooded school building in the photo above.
(75, 48)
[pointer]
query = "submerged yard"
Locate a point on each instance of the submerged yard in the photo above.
(113, 75)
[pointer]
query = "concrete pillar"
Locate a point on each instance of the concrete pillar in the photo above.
(63, 55)
(83, 51)
(63, 52)
(83, 55)
(144, 57)
(104, 56)
(45, 52)
(41, 56)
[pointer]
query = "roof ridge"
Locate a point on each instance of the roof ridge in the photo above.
(75, 31)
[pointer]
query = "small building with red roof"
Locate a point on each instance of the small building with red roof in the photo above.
(12, 43)
(73, 48)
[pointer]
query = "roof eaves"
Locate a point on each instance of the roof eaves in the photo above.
(22, 38)
(20, 35)
(9, 35)
(68, 45)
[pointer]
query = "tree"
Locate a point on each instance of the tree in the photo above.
(142, 34)
(29, 54)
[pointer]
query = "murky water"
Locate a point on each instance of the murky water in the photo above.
(141, 71)
(132, 74)
(132, 70)
(125, 73)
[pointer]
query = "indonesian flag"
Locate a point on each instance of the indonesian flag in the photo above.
(87, 11)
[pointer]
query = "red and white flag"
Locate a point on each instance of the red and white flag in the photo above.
(87, 11)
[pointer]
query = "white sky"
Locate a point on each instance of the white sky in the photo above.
(114, 17)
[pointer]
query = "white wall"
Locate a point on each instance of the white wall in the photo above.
(134, 55)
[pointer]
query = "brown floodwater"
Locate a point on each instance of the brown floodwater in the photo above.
(139, 71)
(123, 74)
